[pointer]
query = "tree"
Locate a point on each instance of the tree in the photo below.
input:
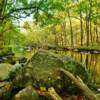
(56, 12)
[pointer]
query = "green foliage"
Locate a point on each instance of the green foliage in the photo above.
(47, 13)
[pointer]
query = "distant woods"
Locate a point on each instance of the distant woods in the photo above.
(67, 23)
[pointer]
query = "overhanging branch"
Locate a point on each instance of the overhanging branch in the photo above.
(35, 7)
(17, 10)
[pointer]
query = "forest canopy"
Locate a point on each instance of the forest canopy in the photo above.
(68, 23)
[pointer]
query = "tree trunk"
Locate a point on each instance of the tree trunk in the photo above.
(91, 36)
(96, 31)
(81, 25)
(63, 26)
(88, 22)
(87, 28)
(71, 29)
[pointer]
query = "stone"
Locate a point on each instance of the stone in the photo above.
(27, 93)
(5, 69)
(42, 71)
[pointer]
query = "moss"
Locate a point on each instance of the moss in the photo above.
(42, 71)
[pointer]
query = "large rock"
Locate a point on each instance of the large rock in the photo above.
(27, 93)
(42, 71)
(5, 69)
(8, 71)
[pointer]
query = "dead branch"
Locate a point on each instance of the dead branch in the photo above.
(80, 84)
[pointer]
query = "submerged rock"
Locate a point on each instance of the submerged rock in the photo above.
(27, 93)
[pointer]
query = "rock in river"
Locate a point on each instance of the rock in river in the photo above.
(42, 71)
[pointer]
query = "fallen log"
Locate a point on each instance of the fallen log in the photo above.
(80, 84)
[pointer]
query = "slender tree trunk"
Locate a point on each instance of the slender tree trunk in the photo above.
(71, 29)
(90, 24)
(56, 37)
(63, 26)
(96, 31)
(81, 27)
(91, 35)
(96, 26)
(94, 36)
(87, 29)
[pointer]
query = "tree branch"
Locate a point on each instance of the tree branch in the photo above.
(17, 10)
(80, 84)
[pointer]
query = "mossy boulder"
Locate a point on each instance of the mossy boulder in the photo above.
(27, 93)
(42, 71)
